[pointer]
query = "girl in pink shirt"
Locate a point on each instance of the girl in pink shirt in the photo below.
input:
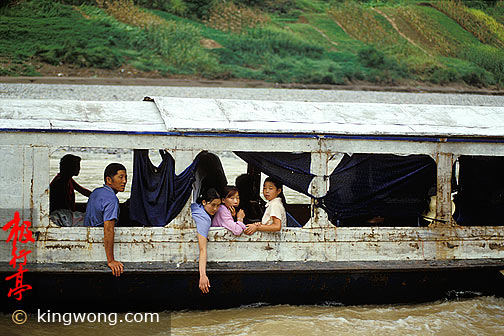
(227, 210)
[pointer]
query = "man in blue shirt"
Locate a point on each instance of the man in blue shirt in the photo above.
(103, 210)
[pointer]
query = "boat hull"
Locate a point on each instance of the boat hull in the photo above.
(162, 286)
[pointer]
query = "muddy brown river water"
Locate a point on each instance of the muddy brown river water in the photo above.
(474, 316)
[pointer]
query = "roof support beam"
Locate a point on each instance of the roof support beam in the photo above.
(444, 163)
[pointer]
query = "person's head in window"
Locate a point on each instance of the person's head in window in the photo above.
(245, 183)
(70, 165)
(275, 216)
(210, 201)
(272, 188)
(231, 198)
(115, 177)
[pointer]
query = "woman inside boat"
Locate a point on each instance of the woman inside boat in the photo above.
(202, 211)
(274, 217)
(227, 213)
(63, 186)
(62, 207)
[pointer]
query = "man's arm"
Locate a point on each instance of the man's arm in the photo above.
(108, 239)
(81, 189)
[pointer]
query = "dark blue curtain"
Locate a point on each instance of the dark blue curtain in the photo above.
(480, 197)
(157, 193)
(379, 185)
(292, 169)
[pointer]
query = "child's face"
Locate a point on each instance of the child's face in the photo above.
(270, 191)
(211, 207)
(232, 201)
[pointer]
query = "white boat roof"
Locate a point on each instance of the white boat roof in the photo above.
(195, 115)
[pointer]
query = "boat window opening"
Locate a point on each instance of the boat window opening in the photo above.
(381, 190)
(93, 161)
(479, 191)
(364, 189)
(291, 169)
(234, 172)
(227, 168)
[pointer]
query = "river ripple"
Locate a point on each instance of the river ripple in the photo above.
(475, 316)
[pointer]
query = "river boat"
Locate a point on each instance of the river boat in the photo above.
(331, 258)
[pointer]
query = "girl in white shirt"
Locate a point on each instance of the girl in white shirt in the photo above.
(274, 217)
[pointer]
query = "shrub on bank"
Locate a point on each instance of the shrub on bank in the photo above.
(453, 70)
(48, 31)
(81, 56)
(487, 57)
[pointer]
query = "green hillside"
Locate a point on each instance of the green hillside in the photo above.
(285, 41)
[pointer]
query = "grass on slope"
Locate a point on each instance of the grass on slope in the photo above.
(295, 41)
(55, 33)
(291, 50)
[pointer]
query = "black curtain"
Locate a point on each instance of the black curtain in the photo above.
(292, 169)
(379, 185)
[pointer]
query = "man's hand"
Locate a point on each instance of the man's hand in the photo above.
(204, 284)
(117, 267)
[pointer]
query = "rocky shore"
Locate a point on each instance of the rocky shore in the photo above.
(118, 89)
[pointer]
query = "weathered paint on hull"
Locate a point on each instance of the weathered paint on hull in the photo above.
(80, 244)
